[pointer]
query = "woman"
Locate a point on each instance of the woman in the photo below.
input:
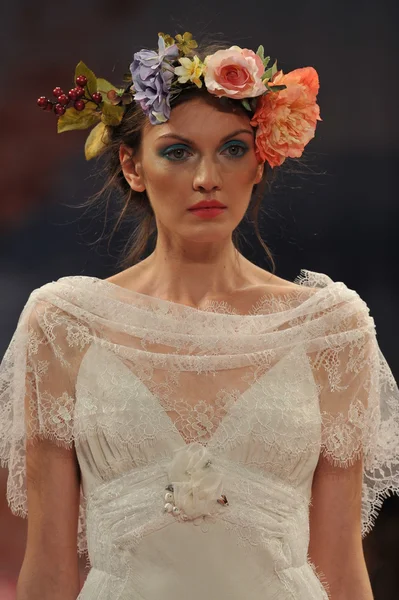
(196, 423)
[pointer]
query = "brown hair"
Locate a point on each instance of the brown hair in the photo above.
(135, 205)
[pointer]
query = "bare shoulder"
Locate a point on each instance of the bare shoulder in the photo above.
(125, 278)
(265, 284)
(279, 282)
(271, 282)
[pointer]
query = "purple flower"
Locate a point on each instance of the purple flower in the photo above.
(152, 76)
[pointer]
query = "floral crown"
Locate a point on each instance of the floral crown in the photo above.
(282, 107)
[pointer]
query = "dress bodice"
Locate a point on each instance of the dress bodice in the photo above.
(263, 453)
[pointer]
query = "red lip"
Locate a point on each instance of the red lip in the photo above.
(207, 204)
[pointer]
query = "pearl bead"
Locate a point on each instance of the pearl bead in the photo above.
(176, 510)
(168, 497)
(168, 507)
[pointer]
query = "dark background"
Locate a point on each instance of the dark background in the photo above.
(338, 214)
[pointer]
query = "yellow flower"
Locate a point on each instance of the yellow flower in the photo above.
(169, 41)
(185, 42)
(191, 70)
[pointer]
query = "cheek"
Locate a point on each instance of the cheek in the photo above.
(242, 175)
(166, 185)
(162, 176)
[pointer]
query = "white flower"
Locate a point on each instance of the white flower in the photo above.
(196, 487)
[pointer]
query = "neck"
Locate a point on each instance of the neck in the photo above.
(191, 276)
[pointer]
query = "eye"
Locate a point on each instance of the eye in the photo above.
(235, 149)
(176, 153)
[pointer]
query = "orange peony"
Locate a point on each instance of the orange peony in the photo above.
(286, 120)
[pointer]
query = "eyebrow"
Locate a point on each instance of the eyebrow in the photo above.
(187, 141)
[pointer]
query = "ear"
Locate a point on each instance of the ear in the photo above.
(259, 172)
(132, 169)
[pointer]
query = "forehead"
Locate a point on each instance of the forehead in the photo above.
(199, 120)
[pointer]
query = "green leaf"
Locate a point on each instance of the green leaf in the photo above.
(75, 119)
(276, 88)
(246, 104)
(82, 69)
(253, 103)
(104, 87)
(270, 72)
(112, 115)
(96, 141)
(127, 77)
(261, 52)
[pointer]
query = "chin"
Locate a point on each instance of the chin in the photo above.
(209, 236)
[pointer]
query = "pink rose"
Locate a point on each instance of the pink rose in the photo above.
(286, 120)
(235, 72)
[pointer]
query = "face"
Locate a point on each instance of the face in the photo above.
(201, 153)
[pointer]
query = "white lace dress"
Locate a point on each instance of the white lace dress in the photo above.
(198, 431)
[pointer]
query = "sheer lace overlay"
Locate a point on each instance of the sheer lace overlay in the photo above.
(128, 379)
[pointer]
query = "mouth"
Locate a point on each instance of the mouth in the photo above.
(208, 208)
(208, 205)
(208, 212)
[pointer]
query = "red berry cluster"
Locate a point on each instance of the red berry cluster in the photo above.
(76, 95)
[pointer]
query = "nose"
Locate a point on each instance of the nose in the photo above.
(207, 177)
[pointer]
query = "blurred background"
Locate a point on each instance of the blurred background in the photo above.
(335, 212)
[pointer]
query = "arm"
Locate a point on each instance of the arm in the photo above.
(50, 567)
(335, 530)
(37, 402)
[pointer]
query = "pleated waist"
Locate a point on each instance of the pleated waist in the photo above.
(261, 512)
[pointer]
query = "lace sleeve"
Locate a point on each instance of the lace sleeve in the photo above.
(359, 407)
(37, 384)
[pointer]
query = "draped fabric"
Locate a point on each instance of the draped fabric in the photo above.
(183, 416)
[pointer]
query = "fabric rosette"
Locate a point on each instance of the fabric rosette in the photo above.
(235, 72)
(286, 121)
(196, 486)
